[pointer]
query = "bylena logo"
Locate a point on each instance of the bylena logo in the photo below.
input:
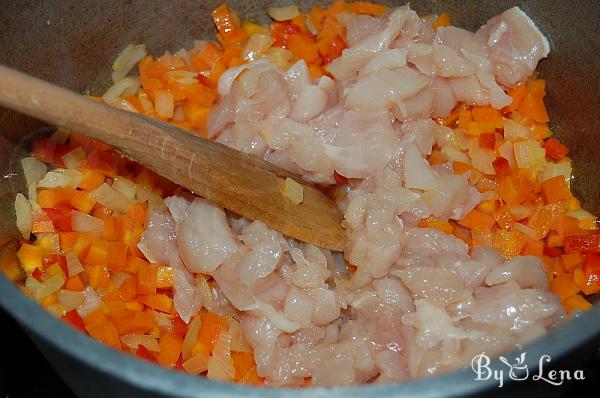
(519, 371)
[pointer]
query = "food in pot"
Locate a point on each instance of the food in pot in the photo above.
(464, 236)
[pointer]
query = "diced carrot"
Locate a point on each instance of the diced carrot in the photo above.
(138, 212)
(179, 327)
(555, 189)
(212, 325)
(75, 283)
(196, 115)
(532, 106)
(478, 221)
(138, 322)
(508, 192)
(146, 279)
(442, 225)
(98, 253)
(563, 286)
(571, 260)
(243, 363)
(133, 263)
(517, 94)
(30, 257)
(170, 349)
(487, 117)
(460, 168)
(303, 47)
(509, 242)
(51, 198)
(105, 332)
(159, 302)
(534, 248)
(577, 303)
(128, 289)
(363, 7)
(82, 201)
(98, 276)
(118, 256)
(91, 179)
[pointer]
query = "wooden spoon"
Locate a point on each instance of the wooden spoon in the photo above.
(242, 183)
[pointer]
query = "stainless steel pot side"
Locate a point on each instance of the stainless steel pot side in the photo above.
(73, 43)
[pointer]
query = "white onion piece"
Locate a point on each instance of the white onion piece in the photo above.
(108, 197)
(41, 290)
(283, 13)
(91, 302)
(133, 341)
(128, 85)
(34, 170)
(65, 178)
(70, 299)
(205, 292)
(220, 364)
(125, 186)
(73, 158)
(60, 136)
(74, 266)
(82, 222)
(24, 215)
(196, 364)
(126, 60)
(191, 337)
(238, 341)
(164, 104)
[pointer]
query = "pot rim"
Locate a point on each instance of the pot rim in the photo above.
(149, 377)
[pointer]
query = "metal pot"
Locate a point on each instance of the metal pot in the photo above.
(73, 44)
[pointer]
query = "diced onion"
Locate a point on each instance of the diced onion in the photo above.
(134, 340)
(125, 186)
(41, 290)
(220, 364)
(257, 44)
(34, 170)
(238, 341)
(482, 158)
(310, 26)
(285, 13)
(126, 60)
(514, 131)
(196, 364)
(163, 320)
(73, 158)
(205, 292)
(552, 169)
(520, 212)
(164, 104)
(146, 102)
(181, 77)
(293, 191)
(82, 222)
(108, 197)
(454, 154)
(525, 230)
(118, 278)
(50, 241)
(128, 85)
(191, 337)
(529, 155)
(24, 215)
(91, 302)
(56, 309)
(74, 266)
(65, 178)
(280, 57)
(70, 299)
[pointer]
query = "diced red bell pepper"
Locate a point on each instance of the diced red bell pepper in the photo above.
(73, 319)
(554, 149)
(60, 218)
(586, 244)
(143, 352)
(552, 251)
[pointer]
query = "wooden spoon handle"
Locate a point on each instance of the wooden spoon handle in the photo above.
(242, 183)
